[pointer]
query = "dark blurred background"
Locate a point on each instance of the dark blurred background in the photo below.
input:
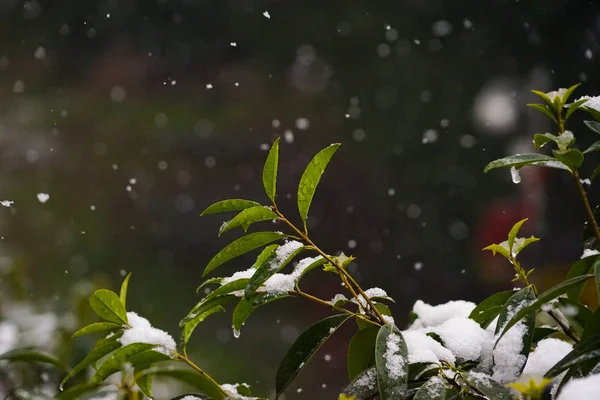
(133, 116)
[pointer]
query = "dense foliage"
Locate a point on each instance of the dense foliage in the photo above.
(518, 344)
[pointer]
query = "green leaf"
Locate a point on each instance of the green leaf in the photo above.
(518, 301)
(269, 267)
(264, 255)
(574, 107)
(572, 158)
(434, 389)
(595, 113)
(593, 125)
(569, 92)
(147, 358)
(204, 306)
(545, 97)
(190, 326)
(269, 176)
(577, 314)
(115, 362)
(304, 348)
(581, 267)
(542, 333)
(241, 246)
(107, 305)
(495, 302)
(541, 139)
(544, 109)
(563, 141)
(200, 382)
(144, 382)
(521, 243)
(383, 309)
(595, 173)
(247, 305)
(123, 292)
(96, 327)
(361, 351)
(520, 160)
(543, 298)
(247, 217)
(498, 248)
(75, 392)
(32, 356)
(592, 327)
(487, 386)
(100, 350)
(229, 205)
(597, 278)
(589, 357)
(594, 147)
(310, 179)
(363, 387)
(391, 360)
(209, 281)
(227, 288)
(512, 235)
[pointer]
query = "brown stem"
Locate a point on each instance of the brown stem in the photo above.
(586, 204)
(196, 368)
(565, 328)
(300, 293)
(341, 270)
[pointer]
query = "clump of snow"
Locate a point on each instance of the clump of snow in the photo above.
(592, 102)
(546, 354)
(283, 252)
(508, 360)
(463, 336)
(43, 197)
(8, 336)
(232, 391)
(388, 319)
(6, 203)
(589, 253)
(239, 275)
(190, 397)
(581, 388)
(435, 387)
(367, 380)
(277, 283)
(431, 316)
(424, 349)
(556, 93)
(394, 363)
(337, 298)
(142, 332)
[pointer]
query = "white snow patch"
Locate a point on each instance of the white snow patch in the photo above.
(336, 298)
(142, 332)
(581, 388)
(546, 354)
(43, 197)
(592, 102)
(239, 275)
(589, 253)
(508, 359)
(394, 363)
(431, 316)
(463, 336)
(7, 203)
(424, 349)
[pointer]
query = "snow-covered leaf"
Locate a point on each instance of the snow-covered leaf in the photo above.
(311, 177)
(543, 298)
(304, 348)
(391, 360)
(269, 176)
(241, 246)
(108, 305)
(363, 387)
(278, 260)
(229, 205)
(434, 389)
(488, 386)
